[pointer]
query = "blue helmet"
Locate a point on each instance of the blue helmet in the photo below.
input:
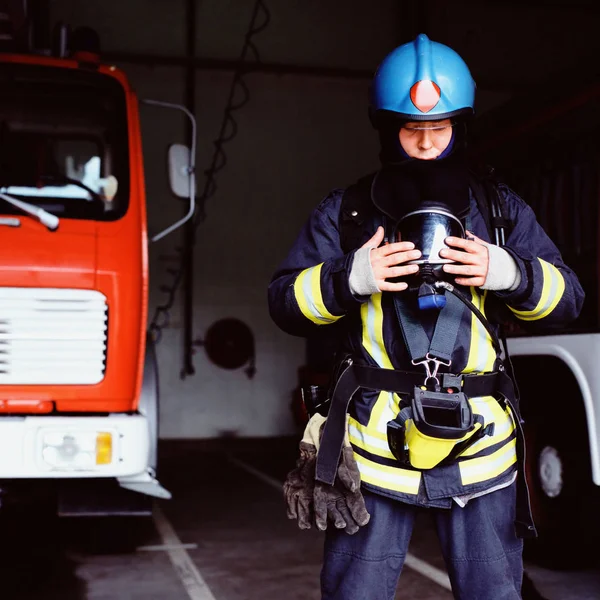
(421, 81)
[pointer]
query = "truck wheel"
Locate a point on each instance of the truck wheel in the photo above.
(149, 399)
(559, 476)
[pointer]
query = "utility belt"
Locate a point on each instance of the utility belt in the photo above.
(409, 434)
(436, 424)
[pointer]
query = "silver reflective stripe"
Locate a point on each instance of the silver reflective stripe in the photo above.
(553, 288)
(481, 351)
(389, 413)
(368, 442)
(375, 350)
(372, 335)
(308, 296)
(488, 467)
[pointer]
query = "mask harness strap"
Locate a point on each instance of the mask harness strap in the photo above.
(431, 354)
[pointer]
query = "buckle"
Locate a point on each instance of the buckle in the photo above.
(431, 364)
(450, 381)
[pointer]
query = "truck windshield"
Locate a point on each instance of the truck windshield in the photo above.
(63, 141)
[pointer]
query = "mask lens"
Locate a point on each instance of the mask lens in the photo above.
(427, 230)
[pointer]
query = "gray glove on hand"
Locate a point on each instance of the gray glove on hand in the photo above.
(307, 500)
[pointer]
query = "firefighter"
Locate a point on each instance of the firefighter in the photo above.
(423, 412)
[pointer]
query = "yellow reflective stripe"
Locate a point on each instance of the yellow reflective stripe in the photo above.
(388, 478)
(364, 439)
(483, 468)
(490, 353)
(307, 290)
(378, 409)
(375, 441)
(492, 412)
(472, 362)
(385, 409)
(363, 428)
(371, 315)
(481, 351)
(553, 288)
(372, 335)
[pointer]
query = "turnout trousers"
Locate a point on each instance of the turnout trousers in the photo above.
(482, 553)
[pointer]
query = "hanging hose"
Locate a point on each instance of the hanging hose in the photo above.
(228, 130)
(229, 126)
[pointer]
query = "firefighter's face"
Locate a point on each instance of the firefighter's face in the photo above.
(425, 140)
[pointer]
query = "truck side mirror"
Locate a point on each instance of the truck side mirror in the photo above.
(182, 165)
(179, 170)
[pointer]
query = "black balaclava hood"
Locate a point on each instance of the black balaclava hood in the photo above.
(403, 183)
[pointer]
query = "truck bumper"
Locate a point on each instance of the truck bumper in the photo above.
(74, 447)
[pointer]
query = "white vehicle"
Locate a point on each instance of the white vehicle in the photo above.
(559, 382)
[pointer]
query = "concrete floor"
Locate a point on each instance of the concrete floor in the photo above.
(241, 545)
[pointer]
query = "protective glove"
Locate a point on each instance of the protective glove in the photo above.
(309, 501)
(342, 503)
(299, 485)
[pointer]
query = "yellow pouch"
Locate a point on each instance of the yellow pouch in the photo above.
(426, 452)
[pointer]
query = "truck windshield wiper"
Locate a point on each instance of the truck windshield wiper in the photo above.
(48, 219)
(94, 196)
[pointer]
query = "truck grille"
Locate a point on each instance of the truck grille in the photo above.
(52, 336)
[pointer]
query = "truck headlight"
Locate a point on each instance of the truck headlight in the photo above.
(77, 450)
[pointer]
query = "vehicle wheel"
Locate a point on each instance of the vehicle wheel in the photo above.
(560, 478)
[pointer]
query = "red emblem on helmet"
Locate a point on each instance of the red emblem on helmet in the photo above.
(425, 95)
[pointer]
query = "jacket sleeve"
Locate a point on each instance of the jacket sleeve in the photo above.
(310, 287)
(549, 295)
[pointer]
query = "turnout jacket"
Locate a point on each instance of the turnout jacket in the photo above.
(310, 293)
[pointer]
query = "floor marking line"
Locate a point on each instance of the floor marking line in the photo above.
(258, 474)
(163, 547)
(416, 564)
(424, 568)
(184, 566)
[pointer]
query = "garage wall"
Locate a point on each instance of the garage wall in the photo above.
(289, 152)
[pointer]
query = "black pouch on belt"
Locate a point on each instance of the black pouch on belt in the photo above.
(433, 428)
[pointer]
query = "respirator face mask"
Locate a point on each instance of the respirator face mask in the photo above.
(427, 228)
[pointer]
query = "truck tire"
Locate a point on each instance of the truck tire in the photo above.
(149, 399)
(558, 465)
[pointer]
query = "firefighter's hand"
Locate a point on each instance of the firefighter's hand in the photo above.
(473, 259)
(385, 261)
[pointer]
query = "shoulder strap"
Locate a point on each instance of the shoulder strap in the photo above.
(355, 209)
(491, 204)
(441, 345)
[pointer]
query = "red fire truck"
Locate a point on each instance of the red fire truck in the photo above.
(78, 381)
